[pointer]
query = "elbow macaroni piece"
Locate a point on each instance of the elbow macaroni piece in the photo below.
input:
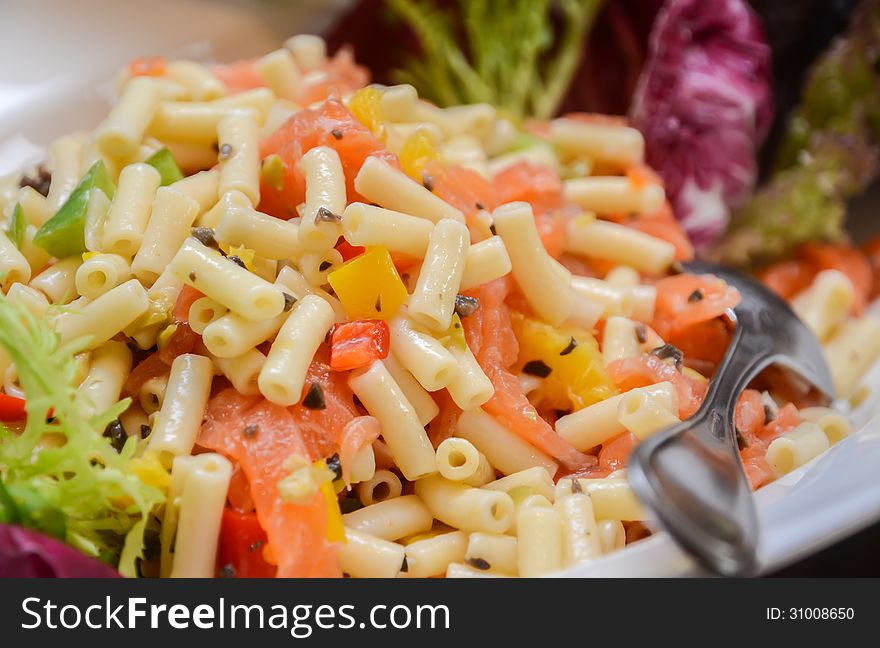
(203, 312)
(196, 122)
(130, 209)
(464, 507)
(825, 304)
(203, 187)
(103, 318)
(493, 553)
(796, 447)
(401, 429)
(619, 340)
(643, 414)
(469, 387)
(365, 556)
(172, 216)
(486, 261)
(612, 535)
(284, 372)
(620, 145)
(368, 225)
(58, 281)
(201, 509)
(580, 532)
(325, 198)
(596, 424)
(614, 195)
(432, 556)
(266, 235)
(121, 133)
(65, 154)
(539, 541)
(425, 406)
(243, 371)
(382, 486)
(186, 396)
(458, 460)
(239, 155)
(433, 300)
(505, 450)
(100, 273)
(620, 244)
(546, 289)
(424, 356)
(108, 371)
(224, 281)
(381, 183)
(534, 481)
(14, 267)
(152, 394)
(309, 51)
(851, 351)
(835, 425)
(279, 72)
(200, 84)
(391, 519)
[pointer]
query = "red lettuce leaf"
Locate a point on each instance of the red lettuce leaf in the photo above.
(705, 104)
(28, 554)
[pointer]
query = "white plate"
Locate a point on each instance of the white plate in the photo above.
(64, 84)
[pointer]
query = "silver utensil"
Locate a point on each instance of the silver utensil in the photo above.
(690, 475)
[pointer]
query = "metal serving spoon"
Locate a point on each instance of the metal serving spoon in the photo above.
(690, 475)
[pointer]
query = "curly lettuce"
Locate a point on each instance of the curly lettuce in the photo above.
(61, 459)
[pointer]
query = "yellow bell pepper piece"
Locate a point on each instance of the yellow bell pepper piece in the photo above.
(335, 528)
(577, 376)
(417, 152)
(366, 106)
(368, 286)
(149, 470)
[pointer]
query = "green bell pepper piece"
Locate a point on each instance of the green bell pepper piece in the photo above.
(164, 163)
(17, 226)
(63, 234)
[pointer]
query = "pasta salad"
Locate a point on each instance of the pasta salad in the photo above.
(267, 319)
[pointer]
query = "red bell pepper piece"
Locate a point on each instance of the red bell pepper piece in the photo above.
(12, 408)
(240, 551)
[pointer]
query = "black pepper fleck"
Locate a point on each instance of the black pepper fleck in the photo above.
(478, 563)
(250, 431)
(237, 261)
(479, 205)
(641, 333)
(466, 306)
(314, 399)
(669, 352)
(336, 133)
(192, 276)
(205, 236)
(334, 465)
(696, 296)
(116, 433)
(572, 345)
(226, 571)
(226, 151)
(255, 546)
(324, 215)
(537, 368)
(39, 182)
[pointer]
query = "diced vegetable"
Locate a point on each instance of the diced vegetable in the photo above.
(63, 234)
(164, 163)
(366, 106)
(17, 226)
(704, 104)
(240, 551)
(12, 408)
(369, 286)
(28, 554)
(417, 152)
(84, 477)
(573, 375)
(356, 344)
